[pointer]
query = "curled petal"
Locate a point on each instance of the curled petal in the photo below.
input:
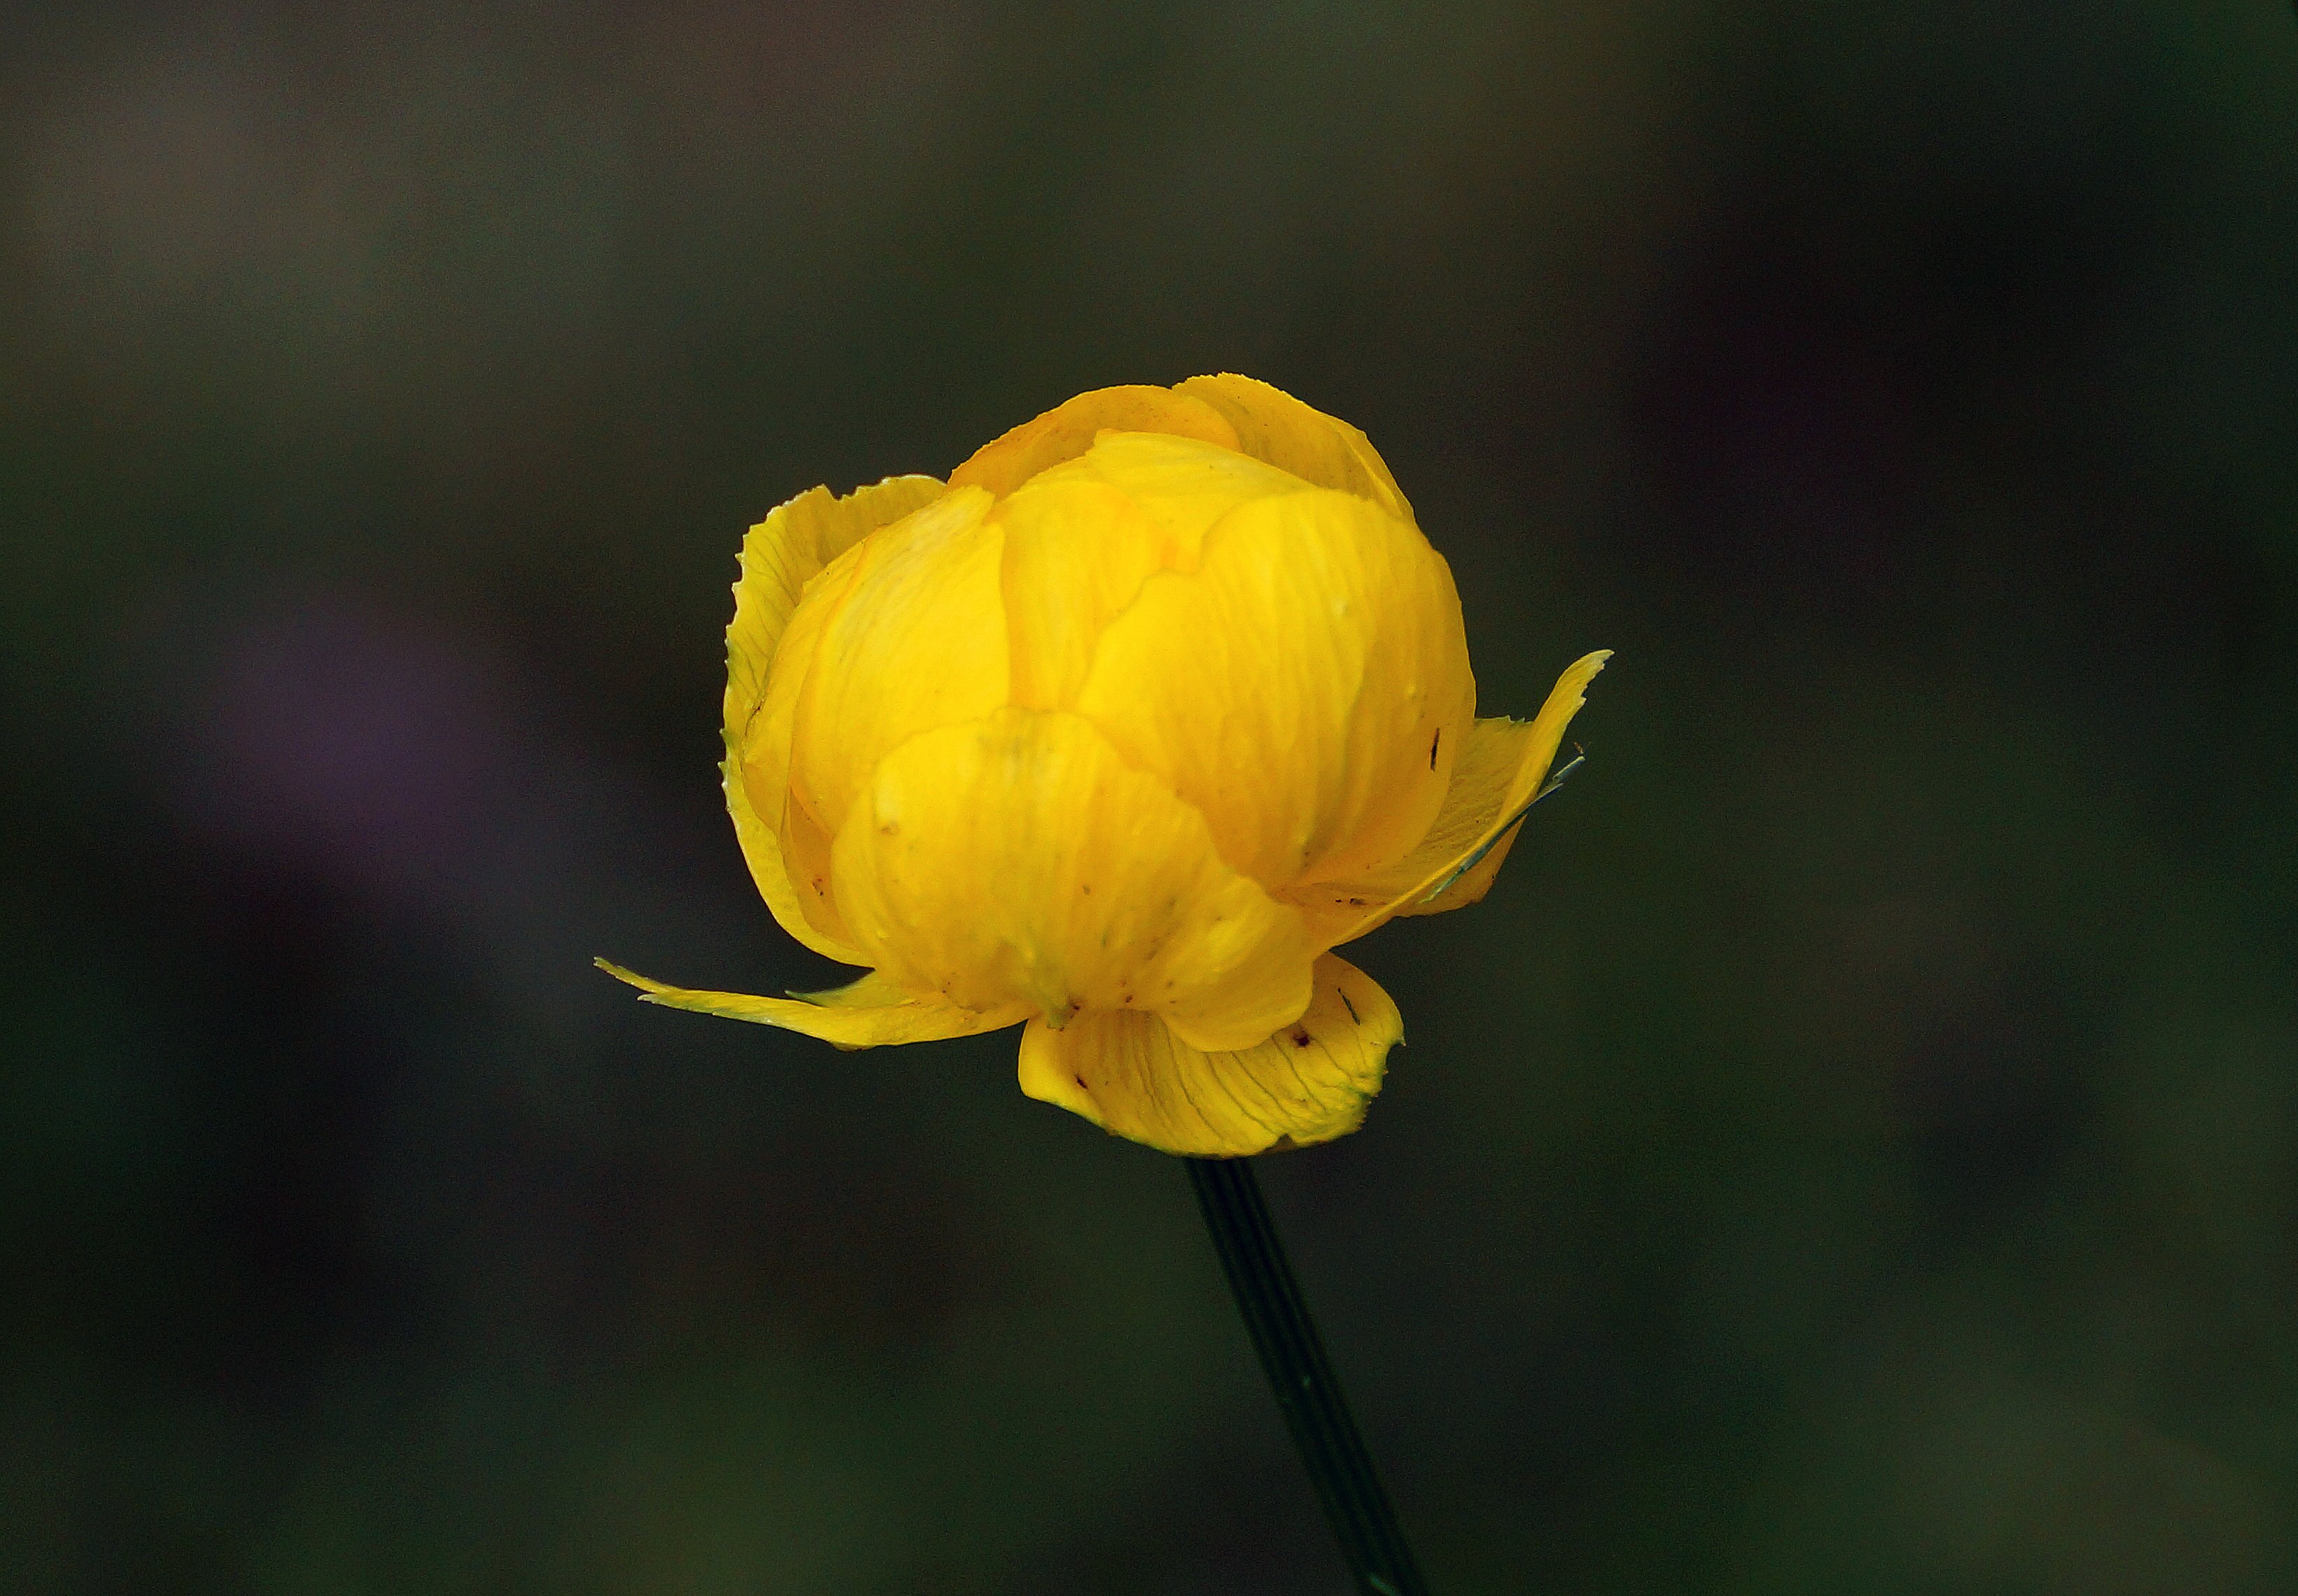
(1067, 430)
(1303, 689)
(913, 636)
(766, 769)
(1272, 425)
(870, 1012)
(1019, 858)
(780, 554)
(1308, 1083)
(1501, 768)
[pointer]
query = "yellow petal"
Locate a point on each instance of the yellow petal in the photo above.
(1308, 1083)
(780, 554)
(913, 638)
(1184, 485)
(1076, 553)
(1272, 425)
(1303, 689)
(803, 845)
(806, 853)
(1082, 536)
(1502, 764)
(870, 1012)
(1067, 431)
(1018, 857)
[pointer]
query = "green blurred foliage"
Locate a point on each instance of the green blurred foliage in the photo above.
(1854, 1149)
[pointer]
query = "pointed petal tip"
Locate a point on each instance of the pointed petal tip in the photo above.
(647, 988)
(870, 1012)
(1509, 766)
(651, 991)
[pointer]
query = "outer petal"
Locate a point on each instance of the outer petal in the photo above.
(870, 1012)
(1303, 689)
(1018, 857)
(780, 554)
(915, 639)
(1272, 425)
(1308, 1083)
(803, 845)
(1067, 431)
(1500, 771)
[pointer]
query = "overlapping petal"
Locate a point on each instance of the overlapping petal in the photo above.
(1082, 537)
(914, 638)
(870, 1012)
(1503, 765)
(780, 554)
(1067, 430)
(1018, 857)
(1272, 425)
(1308, 1083)
(803, 843)
(1305, 688)
(1077, 552)
(1184, 485)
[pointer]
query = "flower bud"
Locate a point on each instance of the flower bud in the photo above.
(1162, 697)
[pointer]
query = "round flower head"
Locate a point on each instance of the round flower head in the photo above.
(1115, 736)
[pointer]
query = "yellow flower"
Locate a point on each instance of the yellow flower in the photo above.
(1115, 736)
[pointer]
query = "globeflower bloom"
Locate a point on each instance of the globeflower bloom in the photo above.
(1115, 736)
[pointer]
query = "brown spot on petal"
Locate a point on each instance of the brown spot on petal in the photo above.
(1301, 1036)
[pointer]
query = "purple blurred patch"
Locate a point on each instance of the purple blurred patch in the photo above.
(325, 733)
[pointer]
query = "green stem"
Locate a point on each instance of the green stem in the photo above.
(1302, 1379)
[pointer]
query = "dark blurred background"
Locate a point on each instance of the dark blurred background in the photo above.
(1854, 1149)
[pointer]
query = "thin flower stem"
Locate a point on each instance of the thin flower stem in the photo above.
(1307, 1393)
